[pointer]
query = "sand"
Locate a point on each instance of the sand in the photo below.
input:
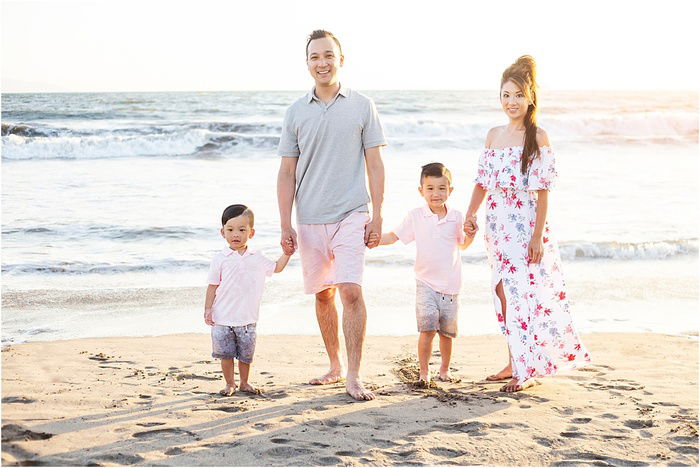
(153, 401)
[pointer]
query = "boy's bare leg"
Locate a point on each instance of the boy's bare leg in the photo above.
(354, 323)
(227, 369)
(445, 355)
(327, 316)
(244, 371)
(425, 347)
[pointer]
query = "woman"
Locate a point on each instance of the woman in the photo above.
(517, 171)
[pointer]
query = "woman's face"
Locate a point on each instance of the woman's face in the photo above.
(513, 101)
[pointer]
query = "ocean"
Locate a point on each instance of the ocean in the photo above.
(111, 205)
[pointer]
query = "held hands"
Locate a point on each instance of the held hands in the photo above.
(208, 318)
(470, 226)
(373, 233)
(288, 241)
(535, 250)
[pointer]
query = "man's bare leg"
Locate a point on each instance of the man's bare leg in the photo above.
(354, 322)
(425, 348)
(227, 369)
(327, 317)
(445, 356)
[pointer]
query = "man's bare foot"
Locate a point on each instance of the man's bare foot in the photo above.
(356, 390)
(506, 373)
(513, 385)
(248, 388)
(330, 377)
(228, 390)
(445, 376)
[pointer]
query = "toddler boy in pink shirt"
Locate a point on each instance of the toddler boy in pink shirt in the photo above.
(236, 281)
(437, 231)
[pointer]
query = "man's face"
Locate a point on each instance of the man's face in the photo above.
(324, 61)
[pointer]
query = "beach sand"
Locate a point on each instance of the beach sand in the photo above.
(153, 401)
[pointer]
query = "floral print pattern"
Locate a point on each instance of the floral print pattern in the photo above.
(538, 324)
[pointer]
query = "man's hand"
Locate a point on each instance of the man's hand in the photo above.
(470, 226)
(373, 232)
(288, 241)
(208, 318)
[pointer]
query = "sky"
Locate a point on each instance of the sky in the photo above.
(209, 45)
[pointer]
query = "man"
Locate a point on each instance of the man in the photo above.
(329, 137)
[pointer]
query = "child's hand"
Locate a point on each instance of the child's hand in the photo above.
(288, 247)
(470, 226)
(208, 318)
(373, 239)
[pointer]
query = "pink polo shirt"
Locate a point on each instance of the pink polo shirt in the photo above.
(241, 279)
(438, 262)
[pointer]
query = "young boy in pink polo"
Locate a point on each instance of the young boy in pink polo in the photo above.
(437, 231)
(236, 280)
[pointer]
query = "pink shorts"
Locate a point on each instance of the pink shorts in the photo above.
(333, 253)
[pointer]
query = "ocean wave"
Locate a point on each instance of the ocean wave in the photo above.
(570, 251)
(84, 268)
(23, 141)
(117, 233)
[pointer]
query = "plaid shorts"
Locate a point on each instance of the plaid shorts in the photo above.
(233, 342)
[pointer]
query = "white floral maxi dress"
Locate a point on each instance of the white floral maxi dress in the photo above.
(538, 325)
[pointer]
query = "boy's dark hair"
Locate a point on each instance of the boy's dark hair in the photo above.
(435, 169)
(321, 33)
(234, 211)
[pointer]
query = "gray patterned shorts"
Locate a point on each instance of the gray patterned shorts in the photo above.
(233, 342)
(436, 311)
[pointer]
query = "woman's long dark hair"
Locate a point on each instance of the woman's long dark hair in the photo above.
(522, 73)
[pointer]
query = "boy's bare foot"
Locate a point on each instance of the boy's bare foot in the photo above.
(356, 390)
(248, 388)
(330, 377)
(506, 373)
(228, 390)
(445, 376)
(513, 386)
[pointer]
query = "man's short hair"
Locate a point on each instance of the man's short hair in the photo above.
(234, 211)
(435, 169)
(319, 34)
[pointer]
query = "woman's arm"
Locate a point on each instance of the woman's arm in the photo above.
(536, 248)
(470, 226)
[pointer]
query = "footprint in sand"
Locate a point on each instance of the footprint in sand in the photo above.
(609, 416)
(16, 433)
(174, 451)
(544, 441)
(161, 432)
(329, 461)
(120, 458)
(280, 441)
(19, 399)
(287, 452)
(347, 453)
(445, 452)
(581, 420)
(573, 435)
(638, 423)
(150, 424)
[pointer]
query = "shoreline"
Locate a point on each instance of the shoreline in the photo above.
(153, 401)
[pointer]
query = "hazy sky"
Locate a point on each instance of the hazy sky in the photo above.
(143, 45)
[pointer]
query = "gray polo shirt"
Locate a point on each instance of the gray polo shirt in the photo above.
(329, 140)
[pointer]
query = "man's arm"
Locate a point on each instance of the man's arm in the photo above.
(375, 176)
(286, 185)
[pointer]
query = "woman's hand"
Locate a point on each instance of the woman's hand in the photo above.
(535, 250)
